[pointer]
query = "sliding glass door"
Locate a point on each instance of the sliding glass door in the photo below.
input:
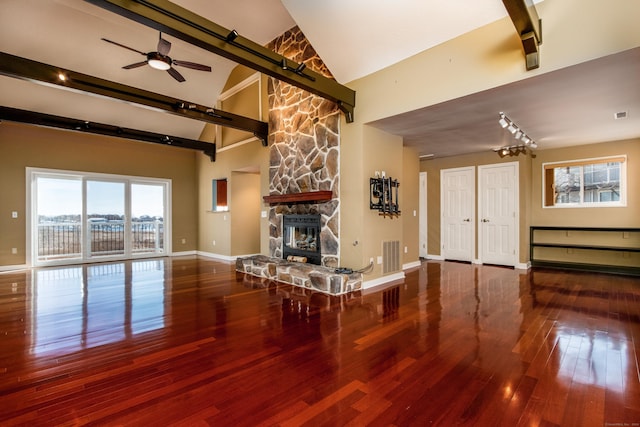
(106, 221)
(57, 231)
(89, 217)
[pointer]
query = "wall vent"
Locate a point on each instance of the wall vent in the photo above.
(620, 115)
(390, 256)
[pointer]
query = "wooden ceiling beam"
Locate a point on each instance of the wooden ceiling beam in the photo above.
(183, 24)
(528, 25)
(38, 72)
(60, 122)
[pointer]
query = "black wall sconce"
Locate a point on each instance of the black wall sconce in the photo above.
(383, 195)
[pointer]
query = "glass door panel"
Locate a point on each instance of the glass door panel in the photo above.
(106, 220)
(147, 218)
(58, 213)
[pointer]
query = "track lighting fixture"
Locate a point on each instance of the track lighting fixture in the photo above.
(300, 68)
(518, 134)
(513, 150)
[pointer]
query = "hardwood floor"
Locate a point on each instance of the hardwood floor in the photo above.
(190, 342)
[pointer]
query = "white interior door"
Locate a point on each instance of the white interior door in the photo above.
(457, 190)
(498, 213)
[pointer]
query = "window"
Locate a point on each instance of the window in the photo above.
(585, 183)
(219, 195)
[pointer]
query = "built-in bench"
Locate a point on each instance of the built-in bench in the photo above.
(310, 276)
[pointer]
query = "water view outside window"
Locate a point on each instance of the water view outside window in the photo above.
(58, 231)
(79, 218)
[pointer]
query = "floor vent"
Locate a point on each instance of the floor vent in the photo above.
(390, 256)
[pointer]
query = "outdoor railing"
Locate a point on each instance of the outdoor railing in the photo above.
(64, 240)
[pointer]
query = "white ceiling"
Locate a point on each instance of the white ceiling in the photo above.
(361, 37)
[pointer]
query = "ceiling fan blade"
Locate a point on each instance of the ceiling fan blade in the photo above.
(192, 65)
(175, 74)
(164, 46)
(126, 47)
(136, 65)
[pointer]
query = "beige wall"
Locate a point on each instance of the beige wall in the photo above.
(223, 226)
(409, 204)
(245, 206)
(23, 146)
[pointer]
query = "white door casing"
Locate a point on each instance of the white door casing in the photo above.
(422, 219)
(457, 204)
(498, 213)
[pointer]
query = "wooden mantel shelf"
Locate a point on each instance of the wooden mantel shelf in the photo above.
(307, 197)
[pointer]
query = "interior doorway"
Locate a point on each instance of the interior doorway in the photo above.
(457, 203)
(498, 213)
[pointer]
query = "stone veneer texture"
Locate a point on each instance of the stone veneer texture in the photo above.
(304, 144)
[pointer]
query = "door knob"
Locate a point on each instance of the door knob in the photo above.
(485, 220)
(467, 220)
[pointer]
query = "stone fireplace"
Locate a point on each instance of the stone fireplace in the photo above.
(304, 144)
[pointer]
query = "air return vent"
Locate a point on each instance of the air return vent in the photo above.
(620, 115)
(390, 256)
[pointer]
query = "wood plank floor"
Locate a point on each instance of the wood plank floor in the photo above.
(190, 342)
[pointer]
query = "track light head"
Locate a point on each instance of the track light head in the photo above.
(512, 128)
(300, 68)
(283, 64)
(232, 36)
(503, 121)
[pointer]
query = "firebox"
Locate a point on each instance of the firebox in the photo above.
(301, 237)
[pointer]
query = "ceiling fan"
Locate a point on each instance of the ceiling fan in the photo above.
(160, 59)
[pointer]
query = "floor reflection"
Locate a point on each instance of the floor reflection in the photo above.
(86, 306)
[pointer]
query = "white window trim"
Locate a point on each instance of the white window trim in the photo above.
(623, 184)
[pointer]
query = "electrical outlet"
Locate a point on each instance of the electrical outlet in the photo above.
(379, 259)
(184, 241)
(406, 250)
(14, 214)
(263, 214)
(14, 251)
(214, 243)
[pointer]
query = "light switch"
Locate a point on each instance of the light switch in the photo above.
(14, 214)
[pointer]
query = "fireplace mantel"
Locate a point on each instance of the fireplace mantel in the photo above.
(306, 197)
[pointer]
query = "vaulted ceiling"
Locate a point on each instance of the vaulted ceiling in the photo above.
(354, 38)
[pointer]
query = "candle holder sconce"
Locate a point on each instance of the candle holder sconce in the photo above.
(383, 195)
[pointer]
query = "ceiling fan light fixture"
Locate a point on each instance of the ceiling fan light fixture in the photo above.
(159, 62)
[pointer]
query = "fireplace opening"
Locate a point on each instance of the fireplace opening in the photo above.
(301, 237)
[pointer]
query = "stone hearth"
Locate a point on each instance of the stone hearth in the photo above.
(309, 276)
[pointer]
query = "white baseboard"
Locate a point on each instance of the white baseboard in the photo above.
(184, 253)
(435, 257)
(384, 280)
(522, 266)
(13, 268)
(411, 265)
(216, 256)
